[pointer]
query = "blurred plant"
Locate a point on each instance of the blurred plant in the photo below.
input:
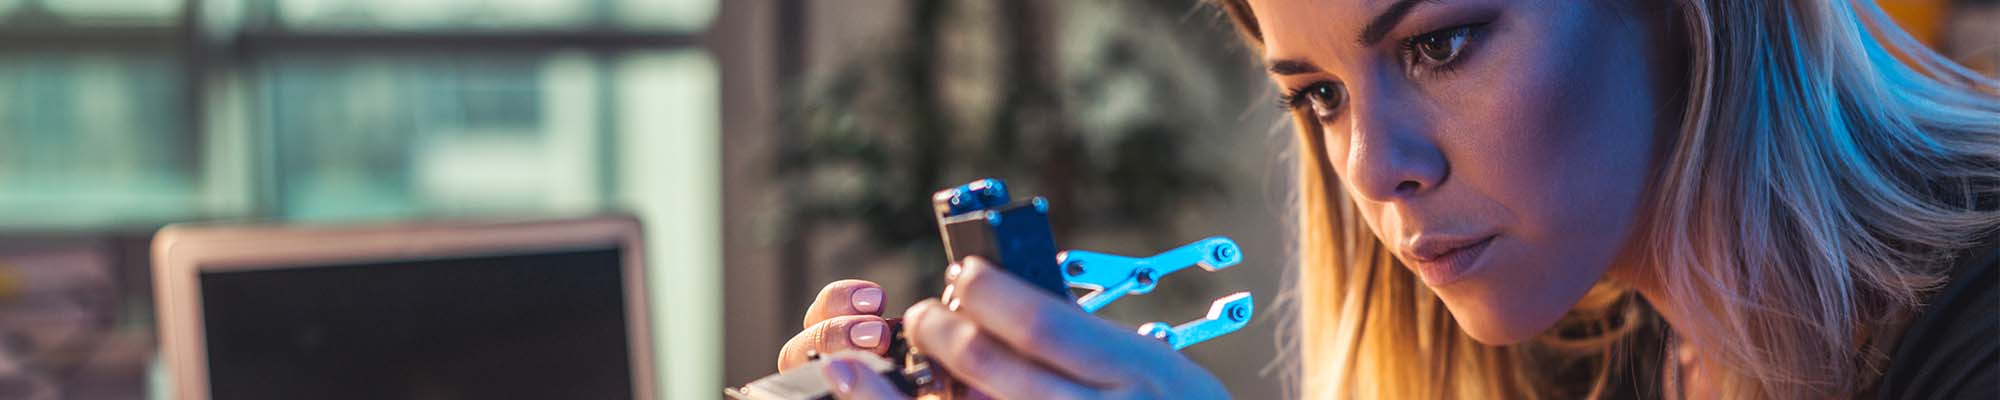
(1093, 112)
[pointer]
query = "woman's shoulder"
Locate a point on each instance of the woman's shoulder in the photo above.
(1952, 348)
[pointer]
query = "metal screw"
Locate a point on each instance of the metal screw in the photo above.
(1225, 253)
(1075, 268)
(1158, 330)
(993, 191)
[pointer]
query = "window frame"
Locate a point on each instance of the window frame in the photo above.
(200, 49)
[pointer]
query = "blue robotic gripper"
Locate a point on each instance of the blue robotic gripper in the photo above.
(980, 218)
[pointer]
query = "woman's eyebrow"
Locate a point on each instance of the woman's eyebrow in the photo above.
(1371, 33)
(1292, 67)
(1383, 23)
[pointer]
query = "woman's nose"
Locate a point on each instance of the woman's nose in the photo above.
(1389, 157)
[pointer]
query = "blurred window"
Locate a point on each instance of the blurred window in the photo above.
(429, 14)
(113, 117)
(324, 109)
(109, 11)
(93, 12)
(676, 15)
(92, 138)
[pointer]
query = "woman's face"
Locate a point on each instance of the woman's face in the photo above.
(1500, 148)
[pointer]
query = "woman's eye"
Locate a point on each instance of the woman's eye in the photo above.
(1325, 98)
(1438, 49)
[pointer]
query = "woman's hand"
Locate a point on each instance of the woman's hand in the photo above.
(1009, 340)
(846, 316)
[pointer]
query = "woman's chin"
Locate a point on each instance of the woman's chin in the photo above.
(1495, 335)
(1514, 299)
(1491, 321)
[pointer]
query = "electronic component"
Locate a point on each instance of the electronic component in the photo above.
(978, 219)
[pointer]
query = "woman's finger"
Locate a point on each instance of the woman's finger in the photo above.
(845, 297)
(1045, 327)
(980, 361)
(851, 380)
(848, 332)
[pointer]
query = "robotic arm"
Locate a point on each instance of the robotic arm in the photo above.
(981, 219)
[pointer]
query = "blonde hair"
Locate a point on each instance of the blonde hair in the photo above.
(1826, 168)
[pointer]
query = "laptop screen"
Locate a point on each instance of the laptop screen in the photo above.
(537, 325)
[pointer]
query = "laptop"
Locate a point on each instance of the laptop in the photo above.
(441, 310)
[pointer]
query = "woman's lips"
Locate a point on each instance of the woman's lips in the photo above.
(1444, 261)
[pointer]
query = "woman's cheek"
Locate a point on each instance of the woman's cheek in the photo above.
(1538, 132)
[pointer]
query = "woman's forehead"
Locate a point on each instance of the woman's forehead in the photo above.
(1311, 29)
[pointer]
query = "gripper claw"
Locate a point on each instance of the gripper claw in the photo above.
(1225, 315)
(1111, 277)
(1114, 276)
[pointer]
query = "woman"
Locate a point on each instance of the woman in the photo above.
(1562, 199)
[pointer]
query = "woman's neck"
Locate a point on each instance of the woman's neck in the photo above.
(1696, 377)
(1666, 305)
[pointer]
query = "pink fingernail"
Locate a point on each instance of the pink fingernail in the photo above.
(866, 334)
(951, 273)
(867, 300)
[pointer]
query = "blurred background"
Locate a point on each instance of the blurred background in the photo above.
(771, 146)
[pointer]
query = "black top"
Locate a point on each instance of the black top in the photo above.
(1952, 349)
